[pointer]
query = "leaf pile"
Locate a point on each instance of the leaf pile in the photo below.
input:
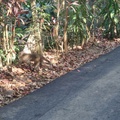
(20, 81)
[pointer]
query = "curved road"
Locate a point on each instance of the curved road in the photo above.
(91, 92)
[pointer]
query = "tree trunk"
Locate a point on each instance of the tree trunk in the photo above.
(57, 25)
(1, 65)
(65, 29)
(37, 29)
(8, 45)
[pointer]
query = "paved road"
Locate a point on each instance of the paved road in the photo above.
(91, 92)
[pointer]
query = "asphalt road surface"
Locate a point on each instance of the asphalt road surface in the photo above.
(91, 92)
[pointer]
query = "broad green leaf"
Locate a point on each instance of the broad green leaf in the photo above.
(84, 20)
(112, 14)
(116, 20)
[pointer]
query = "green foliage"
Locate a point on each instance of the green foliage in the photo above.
(83, 17)
(78, 24)
(2, 55)
(49, 43)
(111, 22)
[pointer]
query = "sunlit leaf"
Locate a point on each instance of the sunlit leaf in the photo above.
(116, 20)
(112, 14)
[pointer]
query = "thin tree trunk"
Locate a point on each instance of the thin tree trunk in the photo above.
(65, 29)
(37, 29)
(57, 25)
(1, 65)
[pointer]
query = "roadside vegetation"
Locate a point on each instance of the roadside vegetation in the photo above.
(41, 40)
